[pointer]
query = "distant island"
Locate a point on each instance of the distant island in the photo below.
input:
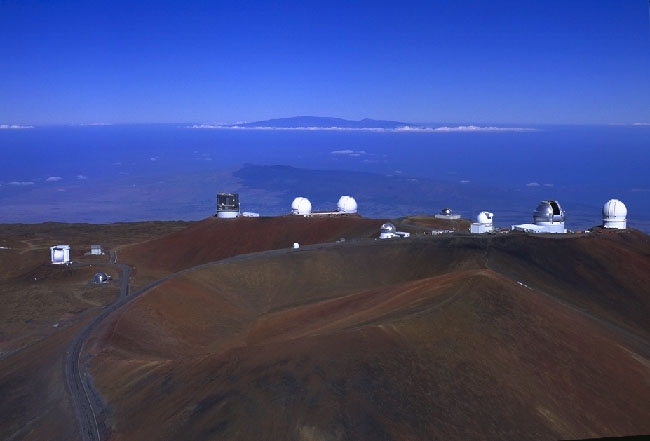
(325, 122)
(330, 123)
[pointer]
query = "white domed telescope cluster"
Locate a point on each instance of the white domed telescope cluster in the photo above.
(388, 230)
(347, 204)
(483, 223)
(447, 213)
(615, 214)
(301, 206)
(547, 218)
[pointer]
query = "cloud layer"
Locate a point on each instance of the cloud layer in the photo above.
(348, 152)
(14, 126)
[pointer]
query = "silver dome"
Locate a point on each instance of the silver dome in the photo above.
(548, 211)
(388, 228)
(446, 212)
(100, 278)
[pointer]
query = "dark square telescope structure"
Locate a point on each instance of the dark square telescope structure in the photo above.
(227, 205)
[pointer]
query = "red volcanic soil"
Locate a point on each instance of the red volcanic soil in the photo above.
(428, 223)
(456, 338)
(42, 307)
(214, 239)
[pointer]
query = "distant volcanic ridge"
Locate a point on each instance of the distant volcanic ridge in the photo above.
(324, 122)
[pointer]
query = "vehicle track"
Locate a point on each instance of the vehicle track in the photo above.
(81, 391)
(76, 376)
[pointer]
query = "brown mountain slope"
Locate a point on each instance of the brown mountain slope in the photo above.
(502, 337)
(214, 239)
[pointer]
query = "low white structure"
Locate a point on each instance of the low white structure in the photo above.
(388, 231)
(483, 223)
(347, 205)
(296, 245)
(301, 206)
(96, 250)
(60, 254)
(447, 213)
(615, 214)
(548, 218)
(227, 205)
(250, 214)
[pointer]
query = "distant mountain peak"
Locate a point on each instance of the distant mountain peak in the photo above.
(325, 122)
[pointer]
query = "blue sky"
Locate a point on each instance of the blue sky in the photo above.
(523, 62)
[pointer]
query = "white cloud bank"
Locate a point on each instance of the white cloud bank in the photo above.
(82, 177)
(353, 153)
(532, 184)
(14, 126)
(53, 179)
(21, 183)
(464, 129)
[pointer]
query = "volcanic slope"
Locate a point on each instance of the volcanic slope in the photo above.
(458, 337)
(42, 307)
(214, 239)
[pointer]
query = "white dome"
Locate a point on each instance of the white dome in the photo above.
(347, 204)
(615, 210)
(301, 206)
(484, 217)
(388, 228)
(615, 214)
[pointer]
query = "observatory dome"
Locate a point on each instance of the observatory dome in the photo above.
(614, 214)
(484, 217)
(446, 212)
(548, 212)
(100, 278)
(347, 204)
(388, 228)
(301, 206)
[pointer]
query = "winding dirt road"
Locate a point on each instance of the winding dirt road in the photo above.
(84, 398)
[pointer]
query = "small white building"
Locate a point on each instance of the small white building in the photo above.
(301, 206)
(447, 213)
(388, 230)
(60, 254)
(96, 250)
(347, 205)
(547, 218)
(615, 214)
(250, 214)
(483, 223)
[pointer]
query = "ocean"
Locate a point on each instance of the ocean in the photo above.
(120, 173)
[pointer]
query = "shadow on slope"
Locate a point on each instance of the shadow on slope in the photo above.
(411, 339)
